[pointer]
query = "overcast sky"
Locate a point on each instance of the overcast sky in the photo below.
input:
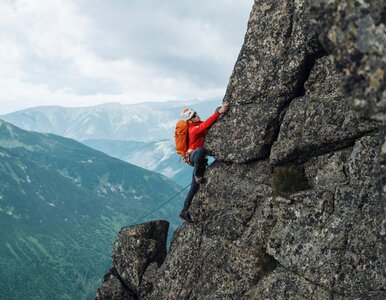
(87, 52)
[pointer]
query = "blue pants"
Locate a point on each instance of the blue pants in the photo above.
(198, 159)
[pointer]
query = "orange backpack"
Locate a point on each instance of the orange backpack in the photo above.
(181, 137)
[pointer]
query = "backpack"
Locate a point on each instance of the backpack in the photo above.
(181, 137)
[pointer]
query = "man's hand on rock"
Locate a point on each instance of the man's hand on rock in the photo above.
(223, 109)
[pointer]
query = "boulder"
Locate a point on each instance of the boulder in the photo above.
(137, 252)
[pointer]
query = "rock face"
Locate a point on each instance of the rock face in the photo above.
(354, 33)
(137, 253)
(292, 112)
(275, 61)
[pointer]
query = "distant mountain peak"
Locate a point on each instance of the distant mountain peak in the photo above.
(149, 121)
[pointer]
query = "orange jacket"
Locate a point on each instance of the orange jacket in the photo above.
(197, 131)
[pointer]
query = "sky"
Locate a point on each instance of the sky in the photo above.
(87, 52)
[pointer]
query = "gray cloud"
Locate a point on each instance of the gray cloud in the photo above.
(119, 50)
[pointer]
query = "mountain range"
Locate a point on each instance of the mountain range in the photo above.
(151, 121)
(61, 204)
(141, 134)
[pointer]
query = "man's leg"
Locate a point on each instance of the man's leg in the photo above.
(193, 190)
(185, 214)
(198, 158)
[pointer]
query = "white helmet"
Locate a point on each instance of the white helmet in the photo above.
(187, 114)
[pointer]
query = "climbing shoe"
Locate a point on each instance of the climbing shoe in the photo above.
(185, 215)
(199, 179)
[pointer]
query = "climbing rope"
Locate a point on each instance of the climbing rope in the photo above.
(157, 208)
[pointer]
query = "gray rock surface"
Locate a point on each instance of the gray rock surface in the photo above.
(354, 33)
(333, 236)
(283, 285)
(320, 243)
(291, 106)
(320, 121)
(138, 251)
(277, 56)
(378, 295)
(112, 288)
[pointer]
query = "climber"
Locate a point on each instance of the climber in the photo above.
(196, 154)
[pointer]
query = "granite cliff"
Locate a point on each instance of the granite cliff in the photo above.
(293, 205)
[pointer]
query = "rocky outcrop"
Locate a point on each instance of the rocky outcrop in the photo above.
(354, 33)
(276, 59)
(321, 120)
(292, 114)
(137, 253)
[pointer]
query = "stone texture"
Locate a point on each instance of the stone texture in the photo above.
(234, 268)
(332, 234)
(378, 295)
(354, 33)
(138, 251)
(282, 285)
(327, 234)
(243, 233)
(112, 288)
(320, 121)
(224, 209)
(214, 262)
(176, 277)
(274, 62)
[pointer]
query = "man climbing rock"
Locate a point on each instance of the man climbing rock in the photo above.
(196, 155)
